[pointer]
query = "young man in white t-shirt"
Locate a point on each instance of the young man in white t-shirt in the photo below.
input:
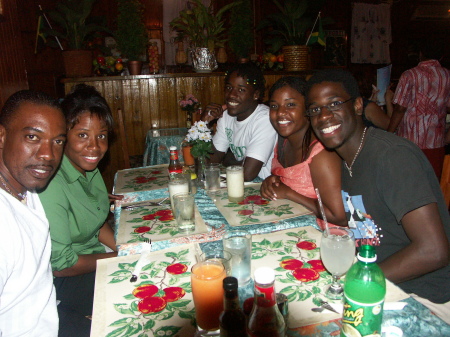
(244, 133)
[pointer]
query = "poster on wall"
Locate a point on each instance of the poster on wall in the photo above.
(335, 54)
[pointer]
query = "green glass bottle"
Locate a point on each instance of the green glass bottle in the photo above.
(364, 292)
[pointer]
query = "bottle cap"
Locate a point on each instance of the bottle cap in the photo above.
(230, 283)
(367, 254)
(264, 275)
(172, 148)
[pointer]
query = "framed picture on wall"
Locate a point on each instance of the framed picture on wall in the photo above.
(335, 54)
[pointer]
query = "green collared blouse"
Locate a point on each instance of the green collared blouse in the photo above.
(76, 207)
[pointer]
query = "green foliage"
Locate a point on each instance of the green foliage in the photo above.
(291, 25)
(74, 23)
(200, 24)
(241, 29)
(201, 148)
(131, 34)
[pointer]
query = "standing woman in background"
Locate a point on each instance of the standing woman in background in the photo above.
(76, 201)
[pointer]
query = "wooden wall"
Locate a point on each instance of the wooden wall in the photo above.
(13, 75)
(149, 99)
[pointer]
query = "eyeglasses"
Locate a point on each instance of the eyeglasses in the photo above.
(333, 106)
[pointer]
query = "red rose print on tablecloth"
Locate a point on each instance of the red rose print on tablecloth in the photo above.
(246, 212)
(306, 245)
(317, 265)
(145, 290)
(150, 305)
(291, 264)
(254, 199)
(143, 180)
(305, 274)
(176, 268)
(149, 217)
(142, 229)
(173, 294)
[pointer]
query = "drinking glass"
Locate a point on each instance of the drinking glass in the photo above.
(177, 185)
(184, 210)
(337, 250)
(212, 178)
(207, 292)
(235, 183)
(239, 244)
(221, 256)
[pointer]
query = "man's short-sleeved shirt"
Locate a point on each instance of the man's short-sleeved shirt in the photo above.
(390, 178)
(253, 137)
(425, 93)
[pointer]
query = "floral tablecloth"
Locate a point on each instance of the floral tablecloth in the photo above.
(158, 304)
(161, 299)
(254, 209)
(153, 222)
(141, 179)
(300, 274)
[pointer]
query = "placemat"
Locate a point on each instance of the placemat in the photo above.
(141, 179)
(254, 209)
(152, 222)
(158, 304)
(300, 274)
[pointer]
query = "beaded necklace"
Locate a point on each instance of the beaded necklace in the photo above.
(17, 195)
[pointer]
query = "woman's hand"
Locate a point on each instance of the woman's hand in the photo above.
(267, 187)
(114, 197)
(212, 111)
(272, 188)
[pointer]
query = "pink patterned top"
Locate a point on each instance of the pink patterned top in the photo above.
(298, 177)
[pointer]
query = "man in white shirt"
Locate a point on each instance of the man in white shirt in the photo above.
(32, 137)
(244, 134)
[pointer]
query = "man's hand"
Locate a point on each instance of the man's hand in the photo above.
(212, 111)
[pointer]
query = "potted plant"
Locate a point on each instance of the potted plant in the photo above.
(204, 29)
(241, 29)
(73, 27)
(289, 30)
(131, 34)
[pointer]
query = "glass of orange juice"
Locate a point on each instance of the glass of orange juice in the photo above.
(207, 291)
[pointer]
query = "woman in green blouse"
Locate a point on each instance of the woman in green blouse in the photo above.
(76, 201)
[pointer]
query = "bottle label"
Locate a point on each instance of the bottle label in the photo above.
(173, 155)
(265, 297)
(361, 319)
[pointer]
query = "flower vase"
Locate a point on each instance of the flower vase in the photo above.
(200, 164)
(188, 119)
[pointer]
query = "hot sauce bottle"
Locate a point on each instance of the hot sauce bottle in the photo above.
(265, 319)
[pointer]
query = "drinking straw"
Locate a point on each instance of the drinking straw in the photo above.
(322, 211)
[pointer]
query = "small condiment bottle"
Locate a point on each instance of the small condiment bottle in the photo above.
(232, 318)
(174, 163)
(265, 319)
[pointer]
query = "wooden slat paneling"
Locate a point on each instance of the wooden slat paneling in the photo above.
(12, 66)
(146, 100)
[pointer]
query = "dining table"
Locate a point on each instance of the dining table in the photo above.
(158, 142)
(285, 237)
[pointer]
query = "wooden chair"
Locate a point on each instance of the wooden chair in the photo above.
(123, 139)
(445, 180)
